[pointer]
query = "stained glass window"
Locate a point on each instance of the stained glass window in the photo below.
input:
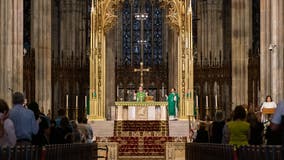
(152, 33)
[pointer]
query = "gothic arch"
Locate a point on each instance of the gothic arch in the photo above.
(103, 16)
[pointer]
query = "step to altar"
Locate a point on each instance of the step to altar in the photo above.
(106, 128)
(102, 128)
(178, 128)
(142, 139)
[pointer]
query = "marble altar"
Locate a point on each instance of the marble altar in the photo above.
(140, 110)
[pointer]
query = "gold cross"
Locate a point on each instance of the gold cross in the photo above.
(141, 70)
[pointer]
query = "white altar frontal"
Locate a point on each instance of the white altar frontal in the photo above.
(140, 110)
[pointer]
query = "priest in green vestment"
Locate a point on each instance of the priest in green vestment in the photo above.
(140, 95)
(173, 100)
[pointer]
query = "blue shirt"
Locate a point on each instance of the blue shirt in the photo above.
(278, 113)
(24, 122)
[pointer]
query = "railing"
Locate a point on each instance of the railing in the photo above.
(21, 153)
(53, 152)
(260, 153)
(206, 151)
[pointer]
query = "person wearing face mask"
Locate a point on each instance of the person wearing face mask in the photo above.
(7, 129)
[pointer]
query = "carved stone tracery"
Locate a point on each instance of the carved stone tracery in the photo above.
(103, 18)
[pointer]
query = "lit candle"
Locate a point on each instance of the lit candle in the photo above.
(76, 110)
(196, 102)
(216, 102)
(66, 101)
(66, 105)
(206, 102)
(76, 102)
(163, 91)
(86, 101)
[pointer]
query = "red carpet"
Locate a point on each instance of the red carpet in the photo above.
(141, 139)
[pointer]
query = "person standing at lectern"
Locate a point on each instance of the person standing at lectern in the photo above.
(140, 95)
(267, 104)
(173, 100)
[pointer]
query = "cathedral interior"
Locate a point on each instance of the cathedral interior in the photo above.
(237, 52)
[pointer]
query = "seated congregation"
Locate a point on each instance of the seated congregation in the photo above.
(244, 127)
(26, 125)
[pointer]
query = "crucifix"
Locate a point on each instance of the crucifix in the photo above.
(141, 70)
(141, 17)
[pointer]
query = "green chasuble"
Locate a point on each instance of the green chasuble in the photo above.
(140, 96)
(173, 104)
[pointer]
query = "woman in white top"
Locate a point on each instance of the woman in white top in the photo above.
(267, 104)
(7, 129)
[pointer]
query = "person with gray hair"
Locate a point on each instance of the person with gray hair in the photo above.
(23, 119)
(216, 128)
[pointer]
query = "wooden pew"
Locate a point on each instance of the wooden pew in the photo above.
(209, 151)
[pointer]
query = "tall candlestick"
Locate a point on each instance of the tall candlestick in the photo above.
(206, 102)
(216, 102)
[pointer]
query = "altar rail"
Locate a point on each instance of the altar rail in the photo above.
(52, 152)
(209, 151)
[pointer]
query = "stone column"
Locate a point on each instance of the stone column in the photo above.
(205, 31)
(271, 49)
(210, 29)
(275, 90)
(241, 44)
(11, 48)
(264, 53)
(281, 47)
(41, 43)
(72, 27)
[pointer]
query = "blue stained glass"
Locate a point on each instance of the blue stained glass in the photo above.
(152, 33)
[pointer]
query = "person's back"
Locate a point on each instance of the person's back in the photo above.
(273, 137)
(23, 119)
(202, 135)
(90, 131)
(256, 129)
(238, 132)
(216, 128)
(256, 136)
(217, 131)
(8, 138)
(76, 132)
(61, 113)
